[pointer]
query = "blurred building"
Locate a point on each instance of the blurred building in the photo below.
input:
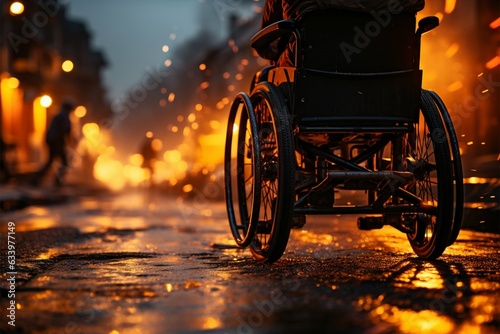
(44, 58)
(461, 62)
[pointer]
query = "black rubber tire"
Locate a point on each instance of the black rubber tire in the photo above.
(428, 146)
(277, 181)
(458, 176)
(242, 171)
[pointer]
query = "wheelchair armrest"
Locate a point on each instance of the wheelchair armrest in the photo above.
(262, 42)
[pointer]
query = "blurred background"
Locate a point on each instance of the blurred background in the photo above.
(153, 82)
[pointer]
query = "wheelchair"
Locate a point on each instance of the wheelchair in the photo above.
(330, 123)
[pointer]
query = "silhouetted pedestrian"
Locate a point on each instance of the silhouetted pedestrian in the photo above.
(58, 137)
(149, 156)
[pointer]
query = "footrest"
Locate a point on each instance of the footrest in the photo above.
(370, 223)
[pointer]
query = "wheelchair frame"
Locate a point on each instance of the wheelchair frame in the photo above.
(286, 154)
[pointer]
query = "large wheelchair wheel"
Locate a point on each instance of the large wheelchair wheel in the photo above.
(458, 178)
(277, 176)
(428, 157)
(242, 171)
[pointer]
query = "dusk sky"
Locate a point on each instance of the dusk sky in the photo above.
(132, 33)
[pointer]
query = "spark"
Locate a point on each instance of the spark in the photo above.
(493, 63)
(495, 24)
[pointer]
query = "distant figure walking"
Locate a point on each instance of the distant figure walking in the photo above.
(58, 137)
(149, 156)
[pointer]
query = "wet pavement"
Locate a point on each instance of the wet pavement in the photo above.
(145, 263)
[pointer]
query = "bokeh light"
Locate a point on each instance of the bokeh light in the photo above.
(16, 8)
(45, 101)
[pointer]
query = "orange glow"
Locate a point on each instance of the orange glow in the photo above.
(39, 120)
(493, 63)
(12, 102)
(452, 50)
(135, 175)
(476, 180)
(13, 82)
(209, 145)
(423, 321)
(149, 134)
(157, 144)
(109, 171)
(187, 188)
(191, 118)
(198, 107)
(449, 7)
(172, 156)
(90, 130)
(440, 16)
(202, 67)
(455, 86)
(214, 125)
(212, 323)
(136, 159)
(495, 24)
(171, 97)
(93, 138)
(80, 111)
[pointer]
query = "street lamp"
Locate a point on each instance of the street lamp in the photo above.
(16, 8)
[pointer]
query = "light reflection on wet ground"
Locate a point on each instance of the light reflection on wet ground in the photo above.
(155, 265)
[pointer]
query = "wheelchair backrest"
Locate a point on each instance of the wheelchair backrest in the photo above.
(358, 42)
(357, 68)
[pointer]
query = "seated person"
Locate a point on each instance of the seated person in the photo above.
(276, 10)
